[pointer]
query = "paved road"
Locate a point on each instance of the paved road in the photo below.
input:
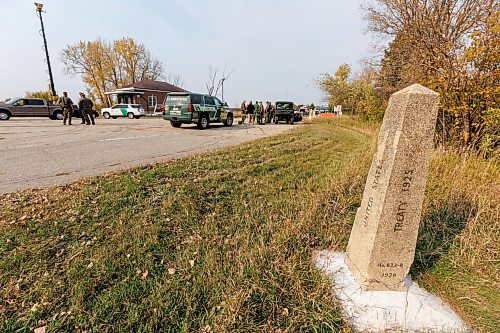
(38, 152)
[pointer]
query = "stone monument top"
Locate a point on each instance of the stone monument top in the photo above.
(416, 89)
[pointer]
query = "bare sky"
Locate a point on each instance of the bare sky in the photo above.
(275, 48)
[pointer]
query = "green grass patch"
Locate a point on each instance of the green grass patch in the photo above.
(224, 241)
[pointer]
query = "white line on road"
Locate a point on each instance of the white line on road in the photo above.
(27, 146)
(130, 138)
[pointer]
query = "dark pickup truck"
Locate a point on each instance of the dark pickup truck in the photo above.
(285, 111)
(35, 107)
(29, 107)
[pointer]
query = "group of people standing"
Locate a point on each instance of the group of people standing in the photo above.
(257, 112)
(84, 104)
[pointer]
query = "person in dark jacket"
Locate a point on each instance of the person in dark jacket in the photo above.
(251, 113)
(269, 112)
(86, 106)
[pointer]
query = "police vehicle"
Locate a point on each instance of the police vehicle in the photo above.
(199, 109)
(124, 110)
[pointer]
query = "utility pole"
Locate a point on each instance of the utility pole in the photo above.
(39, 8)
(223, 79)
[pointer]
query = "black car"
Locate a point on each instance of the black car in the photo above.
(78, 114)
(284, 111)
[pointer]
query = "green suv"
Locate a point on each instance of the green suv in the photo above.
(202, 110)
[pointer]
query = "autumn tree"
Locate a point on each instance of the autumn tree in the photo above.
(106, 66)
(47, 95)
(353, 92)
(397, 70)
(430, 43)
(336, 87)
(476, 92)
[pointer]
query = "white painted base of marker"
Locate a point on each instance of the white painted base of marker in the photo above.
(414, 310)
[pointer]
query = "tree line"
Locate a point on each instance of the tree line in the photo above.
(106, 66)
(450, 46)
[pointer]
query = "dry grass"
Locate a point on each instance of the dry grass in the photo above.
(223, 242)
(458, 250)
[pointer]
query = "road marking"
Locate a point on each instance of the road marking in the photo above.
(27, 146)
(130, 138)
(103, 140)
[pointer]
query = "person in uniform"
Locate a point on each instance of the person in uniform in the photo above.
(67, 106)
(270, 115)
(266, 113)
(86, 106)
(258, 112)
(243, 112)
(251, 113)
(262, 111)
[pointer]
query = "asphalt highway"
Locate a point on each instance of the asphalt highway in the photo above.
(37, 153)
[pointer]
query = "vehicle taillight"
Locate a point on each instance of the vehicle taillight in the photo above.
(190, 107)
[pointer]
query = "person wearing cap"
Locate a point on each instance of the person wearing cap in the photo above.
(67, 106)
(86, 106)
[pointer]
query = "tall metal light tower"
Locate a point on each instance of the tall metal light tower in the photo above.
(39, 11)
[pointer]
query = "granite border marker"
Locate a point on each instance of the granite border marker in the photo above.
(371, 280)
(384, 236)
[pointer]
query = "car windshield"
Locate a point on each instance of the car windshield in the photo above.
(176, 99)
(12, 101)
(284, 106)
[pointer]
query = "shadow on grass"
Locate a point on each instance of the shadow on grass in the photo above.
(438, 231)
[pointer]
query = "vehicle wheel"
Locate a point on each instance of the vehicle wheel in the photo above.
(229, 121)
(114, 117)
(4, 115)
(175, 124)
(106, 115)
(130, 115)
(58, 116)
(203, 122)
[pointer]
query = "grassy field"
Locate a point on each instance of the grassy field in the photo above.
(223, 242)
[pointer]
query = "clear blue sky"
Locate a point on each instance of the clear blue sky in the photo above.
(275, 49)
